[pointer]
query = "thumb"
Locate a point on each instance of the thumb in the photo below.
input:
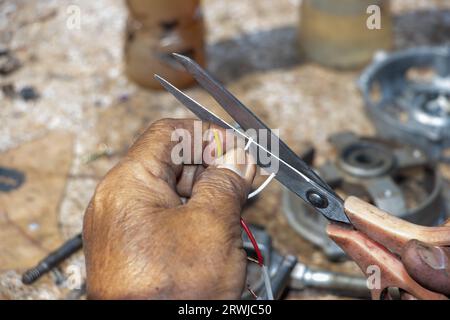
(428, 265)
(223, 187)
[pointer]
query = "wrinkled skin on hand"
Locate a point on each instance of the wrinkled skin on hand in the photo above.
(142, 242)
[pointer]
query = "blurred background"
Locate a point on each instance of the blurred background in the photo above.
(76, 90)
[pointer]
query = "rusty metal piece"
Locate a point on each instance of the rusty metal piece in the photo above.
(368, 253)
(389, 231)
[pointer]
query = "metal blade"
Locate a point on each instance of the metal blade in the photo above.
(196, 108)
(331, 205)
(244, 117)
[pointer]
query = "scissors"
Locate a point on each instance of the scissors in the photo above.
(373, 238)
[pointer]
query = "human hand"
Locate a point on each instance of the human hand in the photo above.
(142, 242)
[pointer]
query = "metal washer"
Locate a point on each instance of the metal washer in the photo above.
(407, 95)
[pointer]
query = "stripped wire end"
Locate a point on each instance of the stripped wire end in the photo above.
(253, 241)
(254, 295)
(260, 261)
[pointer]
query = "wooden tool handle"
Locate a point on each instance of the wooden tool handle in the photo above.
(383, 268)
(390, 231)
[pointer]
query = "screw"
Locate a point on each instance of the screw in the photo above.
(53, 259)
(316, 199)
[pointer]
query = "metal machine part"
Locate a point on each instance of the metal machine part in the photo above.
(397, 179)
(407, 94)
(53, 259)
(288, 272)
(303, 277)
(279, 267)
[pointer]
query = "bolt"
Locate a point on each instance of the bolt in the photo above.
(53, 259)
(316, 199)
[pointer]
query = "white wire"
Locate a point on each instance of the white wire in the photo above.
(266, 277)
(249, 142)
(262, 186)
(265, 183)
(267, 283)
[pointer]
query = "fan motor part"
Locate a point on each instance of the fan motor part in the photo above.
(407, 95)
(288, 272)
(397, 179)
(279, 267)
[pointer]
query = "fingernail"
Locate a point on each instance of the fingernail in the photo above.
(237, 161)
(432, 256)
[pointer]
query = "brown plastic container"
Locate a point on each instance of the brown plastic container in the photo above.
(155, 29)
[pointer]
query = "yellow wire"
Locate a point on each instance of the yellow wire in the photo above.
(218, 143)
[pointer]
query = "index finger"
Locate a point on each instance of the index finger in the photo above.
(168, 144)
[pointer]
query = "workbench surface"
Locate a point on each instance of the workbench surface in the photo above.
(86, 103)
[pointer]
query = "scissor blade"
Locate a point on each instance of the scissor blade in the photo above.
(244, 117)
(196, 108)
(293, 179)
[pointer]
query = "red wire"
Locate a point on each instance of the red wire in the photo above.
(253, 241)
